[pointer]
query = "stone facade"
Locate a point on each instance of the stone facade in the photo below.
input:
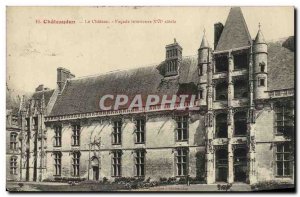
(241, 131)
(13, 152)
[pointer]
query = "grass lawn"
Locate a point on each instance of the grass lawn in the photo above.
(14, 187)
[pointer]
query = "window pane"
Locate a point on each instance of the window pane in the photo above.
(280, 157)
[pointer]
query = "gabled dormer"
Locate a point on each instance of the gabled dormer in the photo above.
(173, 59)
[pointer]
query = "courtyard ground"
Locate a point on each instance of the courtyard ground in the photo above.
(65, 187)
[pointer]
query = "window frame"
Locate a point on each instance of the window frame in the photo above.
(262, 67)
(76, 129)
(13, 143)
(284, 114)
(200, 70)
(116, 163)
(240, 87)
(260, 82)
(117, 132)
(139, 159)
(76, 164)
(244, 120)
(283, 160)
(57, 136)
(182, 162)
(182, 129)
(13, 165)
(218, 61)
(219, 87)
(57, 163)
(238, 55)
(217, 131)
(140, 131)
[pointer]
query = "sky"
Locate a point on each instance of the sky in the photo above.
(35, 50)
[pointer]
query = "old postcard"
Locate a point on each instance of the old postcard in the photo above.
(150, 99)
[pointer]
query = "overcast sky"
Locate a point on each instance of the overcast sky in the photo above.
(34, 51)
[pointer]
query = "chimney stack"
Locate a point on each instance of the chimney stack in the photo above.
(62, 75)
(218, 29)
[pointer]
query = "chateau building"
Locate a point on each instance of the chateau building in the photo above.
(13, 152)
(239, 128)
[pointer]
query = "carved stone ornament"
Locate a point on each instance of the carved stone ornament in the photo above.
(252, 143)
(210, 146)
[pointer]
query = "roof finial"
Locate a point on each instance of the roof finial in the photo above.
(175, 40)
(204, 31)
(259, 26)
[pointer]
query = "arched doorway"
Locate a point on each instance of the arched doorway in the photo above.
(221, 165)
(240, 165)
(95, 168)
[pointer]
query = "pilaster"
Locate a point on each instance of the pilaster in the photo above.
(230, 149)
(251, 147)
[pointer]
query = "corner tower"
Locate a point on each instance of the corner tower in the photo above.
(204, 59)
(260, 66)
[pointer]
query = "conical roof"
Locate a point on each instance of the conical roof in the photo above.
(235, 33)
(204, 42)
(259, 39)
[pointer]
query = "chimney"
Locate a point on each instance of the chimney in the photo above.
(218, 28)
(39, 88)
(62, 75)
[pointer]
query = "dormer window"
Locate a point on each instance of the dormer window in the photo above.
(173, 57)
(171, 68)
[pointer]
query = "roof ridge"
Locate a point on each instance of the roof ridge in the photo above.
(235, 33)
(120, 70)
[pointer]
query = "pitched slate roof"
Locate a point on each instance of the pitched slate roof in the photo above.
(47, 94)
(281, 67)
(82, 95)
(235, 33)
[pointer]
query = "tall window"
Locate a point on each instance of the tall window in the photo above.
(57, 163)
(182, 128)
(283, 159)
(284, 119)
(13, 165)
(221, 91)
(117, 132)
(240, 123)
(221, 126)
(117, 163)
(76, 163)
(140, 131)
(221, 64)
(76, 135)
(57, 136)
(240, 88)
(181, 161)
(240, 61)
(13, 141)
(140, 163)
